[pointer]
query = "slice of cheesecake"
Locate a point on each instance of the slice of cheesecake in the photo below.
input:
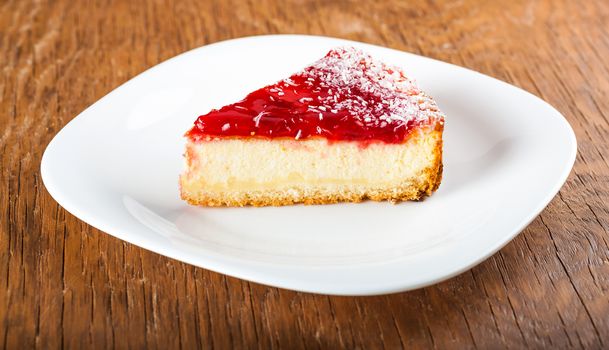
(345, 129)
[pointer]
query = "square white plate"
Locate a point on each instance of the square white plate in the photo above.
(116, 166)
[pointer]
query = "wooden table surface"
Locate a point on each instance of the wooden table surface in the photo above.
(67, 284)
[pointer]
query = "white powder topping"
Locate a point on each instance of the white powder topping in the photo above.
(258, 117)
(370, 90)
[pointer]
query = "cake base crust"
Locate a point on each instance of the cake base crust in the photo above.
(404, 192)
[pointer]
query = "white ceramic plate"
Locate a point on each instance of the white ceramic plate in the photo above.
(116, 167)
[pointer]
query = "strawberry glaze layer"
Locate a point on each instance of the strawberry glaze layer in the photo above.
(345, 96)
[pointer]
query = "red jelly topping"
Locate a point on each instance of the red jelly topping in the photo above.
(346, 95)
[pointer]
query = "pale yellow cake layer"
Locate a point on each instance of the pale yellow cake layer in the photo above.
(257, 171)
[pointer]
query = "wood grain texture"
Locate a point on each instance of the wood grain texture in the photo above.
(66, 284)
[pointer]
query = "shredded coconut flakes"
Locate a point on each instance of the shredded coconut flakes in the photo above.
(345, 70)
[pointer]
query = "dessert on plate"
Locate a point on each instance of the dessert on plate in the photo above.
(344, 129)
